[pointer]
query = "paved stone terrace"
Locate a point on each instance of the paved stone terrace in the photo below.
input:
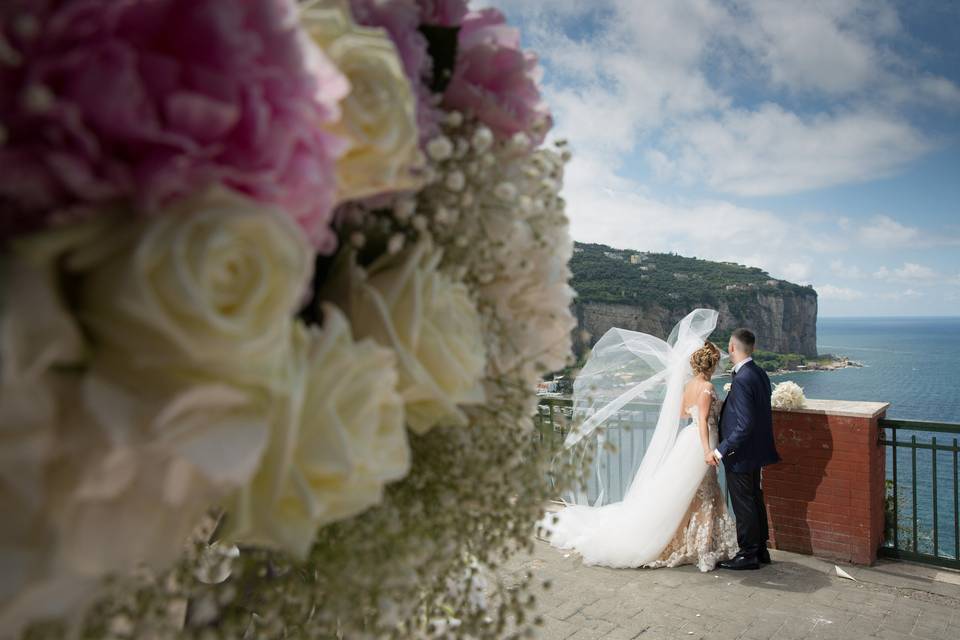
(796, 597)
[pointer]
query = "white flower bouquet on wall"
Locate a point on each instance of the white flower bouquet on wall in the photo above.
(788, 395)
(278, 281)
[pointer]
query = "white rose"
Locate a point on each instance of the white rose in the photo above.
(38, 335)
(138, 465)
(37, 331)
(379, 114)
(403, 301)
(211, 282)
(788, 395)
(340, 440)
(141, 451)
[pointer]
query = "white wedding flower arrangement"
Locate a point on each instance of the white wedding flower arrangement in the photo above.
(788, 395)
(278, 281)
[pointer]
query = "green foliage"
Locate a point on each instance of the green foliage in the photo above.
(770, 361)
(602, 274)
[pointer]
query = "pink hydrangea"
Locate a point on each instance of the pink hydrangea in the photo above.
(495, 80)
(104, 100)
(443, 13)
(401, 20)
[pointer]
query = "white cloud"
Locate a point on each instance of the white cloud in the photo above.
(660, 77)
(909, 272)
(718, 100)
(798, 272)
(844, 270)
(642, 69)
(772, 151)
(883, 232)
(902, 295)
(831, 292)
(814, 46)
(613, 210)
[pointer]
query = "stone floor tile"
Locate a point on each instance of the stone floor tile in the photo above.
(553, 629)
(601, 608)
(901, 622)
(862, 625)
(933, 633)
(565, 610)
(764, 628)
(587, 634)
(795, 629)
(793, 600)
(890, 634)
(621, 633)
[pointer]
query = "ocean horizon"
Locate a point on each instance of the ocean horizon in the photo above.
(914, 364)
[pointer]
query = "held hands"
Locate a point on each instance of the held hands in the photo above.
(711, 459)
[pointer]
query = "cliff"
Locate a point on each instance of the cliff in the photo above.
(651, 292)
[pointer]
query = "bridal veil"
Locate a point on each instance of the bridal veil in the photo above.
(627, 368)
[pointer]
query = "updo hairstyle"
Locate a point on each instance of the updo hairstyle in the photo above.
(705, 358)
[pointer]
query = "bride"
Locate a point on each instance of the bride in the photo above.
(673, 512)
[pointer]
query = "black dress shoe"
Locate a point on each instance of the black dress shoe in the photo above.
(740, 563)
(764, 556)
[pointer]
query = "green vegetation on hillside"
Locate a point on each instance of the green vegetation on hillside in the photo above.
(614, 276)
(770, 361)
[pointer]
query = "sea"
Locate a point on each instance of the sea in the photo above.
(914, 364)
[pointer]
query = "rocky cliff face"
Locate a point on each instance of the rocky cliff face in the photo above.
(783, 322)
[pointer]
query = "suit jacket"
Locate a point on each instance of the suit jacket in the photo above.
(746, 422)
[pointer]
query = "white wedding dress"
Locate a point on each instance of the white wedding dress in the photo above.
(673, 513)
(707, 534)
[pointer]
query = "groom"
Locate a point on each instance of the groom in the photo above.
(746, 445)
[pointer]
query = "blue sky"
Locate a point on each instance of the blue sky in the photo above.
(819, 140)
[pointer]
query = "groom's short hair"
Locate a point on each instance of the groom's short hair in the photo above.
(746, 339)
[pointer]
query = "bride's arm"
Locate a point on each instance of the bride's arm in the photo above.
(704, 404)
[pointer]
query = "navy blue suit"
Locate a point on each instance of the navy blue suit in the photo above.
(746, 444)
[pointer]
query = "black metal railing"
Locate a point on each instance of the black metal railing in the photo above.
(922, 500)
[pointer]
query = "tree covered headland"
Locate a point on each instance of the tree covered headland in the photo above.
(615, 276)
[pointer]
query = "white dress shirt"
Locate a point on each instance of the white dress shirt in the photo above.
(736, 369)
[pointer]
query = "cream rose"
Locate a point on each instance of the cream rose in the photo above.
(138, 464)
(788, 395)
(338, 442)
(379, 114)
(212, 282)
(404, 302)
(38, 335)
(37, 330)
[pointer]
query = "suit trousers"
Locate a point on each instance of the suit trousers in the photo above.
(750, 511)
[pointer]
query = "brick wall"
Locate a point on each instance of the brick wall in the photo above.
(826, 497)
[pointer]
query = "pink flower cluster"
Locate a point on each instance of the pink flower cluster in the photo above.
(443, 13)
(143, 101)
(401, 19)
(495, 80)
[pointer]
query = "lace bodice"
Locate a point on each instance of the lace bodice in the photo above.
(712, 420)
(707, 534)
